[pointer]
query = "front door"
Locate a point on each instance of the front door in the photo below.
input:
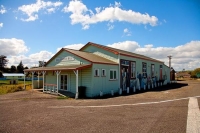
(63, 82)
(160, 73)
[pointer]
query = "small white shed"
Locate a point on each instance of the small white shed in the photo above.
(14, 77)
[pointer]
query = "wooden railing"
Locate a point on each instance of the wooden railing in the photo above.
(50, 88)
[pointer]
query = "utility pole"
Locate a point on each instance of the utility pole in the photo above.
(170, 57)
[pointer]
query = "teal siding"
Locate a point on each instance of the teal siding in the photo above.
(103, 83)
(148, 62)
(84, 79)
(95, 84)
(50, 78)
(102, 53)
(60, 60)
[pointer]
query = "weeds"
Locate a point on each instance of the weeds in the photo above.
(6, 87)
(62, 97)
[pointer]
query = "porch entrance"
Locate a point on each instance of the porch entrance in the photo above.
(64, 82)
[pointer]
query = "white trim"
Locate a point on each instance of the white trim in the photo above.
(98, 73)
(131, 66)
(77, 93)
(68, 81)
(43, 74)
(24, 80)
(57, 73)
(102, 72)
(32, 78)
(113, 74)
(38, 79)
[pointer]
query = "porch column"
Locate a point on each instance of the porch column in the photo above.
(57, 73)
(76, 73)
(43, 73)
(24, 80)
(32, 78)
(38, 79)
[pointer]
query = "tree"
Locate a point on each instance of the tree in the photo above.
(13, 69)
(20, 68)
(3, 62)
(41, 63)
(1, 74)
(195, 73)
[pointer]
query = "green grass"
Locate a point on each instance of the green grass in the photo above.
(62, 97)
(6, 87)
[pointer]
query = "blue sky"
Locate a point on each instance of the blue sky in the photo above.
(36, 29)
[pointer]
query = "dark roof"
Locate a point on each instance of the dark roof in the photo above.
(118, 51)
(56, 68)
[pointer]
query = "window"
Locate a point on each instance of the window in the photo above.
(133, 69)
(152, 70)
(144, 69)
(96, 72)
(103, 73)
(113, 74)
(124, 62)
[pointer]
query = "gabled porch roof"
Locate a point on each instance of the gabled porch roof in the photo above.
(59, 68)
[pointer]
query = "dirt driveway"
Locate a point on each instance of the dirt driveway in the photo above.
(32, 111)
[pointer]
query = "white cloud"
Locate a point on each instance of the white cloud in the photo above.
(3, 9)
(50, 10)
(81, 14)
(183, 57)
(32, 10)
(127, 32)
(12, 47)
(126, 45)
(15, 50)
(1, 25)
(110, 26)
(73, 46)
(31, 60)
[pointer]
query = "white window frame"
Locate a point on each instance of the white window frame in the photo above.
(96, 75)
(133, 76)
(103, 74)
(144, 69)
(113, 70)
(152, 70)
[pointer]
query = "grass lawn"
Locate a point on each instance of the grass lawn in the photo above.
(6, 87)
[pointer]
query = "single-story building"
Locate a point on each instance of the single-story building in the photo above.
(13, 77)
(183, 75)
(101, 70)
